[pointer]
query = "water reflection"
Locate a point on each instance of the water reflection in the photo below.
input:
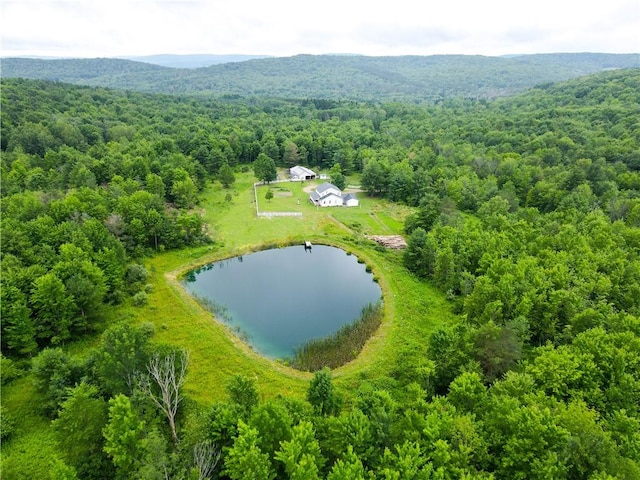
(281, 298)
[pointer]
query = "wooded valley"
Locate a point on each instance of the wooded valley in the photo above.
(509, 346)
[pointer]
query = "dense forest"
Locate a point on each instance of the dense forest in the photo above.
(525, 219)
(414, 79)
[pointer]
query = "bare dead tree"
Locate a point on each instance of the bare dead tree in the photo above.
(169, 379)
(206, 456)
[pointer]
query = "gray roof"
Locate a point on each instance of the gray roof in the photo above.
(350, 196)
(326, 186)
(299, 170)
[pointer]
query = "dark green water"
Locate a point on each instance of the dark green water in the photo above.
(281, 298)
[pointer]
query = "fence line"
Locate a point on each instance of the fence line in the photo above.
(279, 214)
(272, 214)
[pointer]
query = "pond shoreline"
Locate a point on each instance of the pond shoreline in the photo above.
(278, 299)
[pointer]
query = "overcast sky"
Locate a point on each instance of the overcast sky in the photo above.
(110, 28)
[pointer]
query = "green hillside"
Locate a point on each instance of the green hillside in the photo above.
(353, 77)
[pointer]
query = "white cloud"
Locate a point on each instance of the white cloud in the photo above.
(285, 27)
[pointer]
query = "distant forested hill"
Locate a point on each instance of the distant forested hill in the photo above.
(193, 61)
(407, 78)
(75, 70)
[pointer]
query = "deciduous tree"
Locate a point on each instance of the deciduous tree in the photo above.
(18, 329)
(245, 460)
(163, 385)
(264, 168)
(337, 178)
(78, 428)
(301, 455)
(122, 353)
(123, 436)
(53, 307)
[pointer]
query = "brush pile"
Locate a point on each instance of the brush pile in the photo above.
(396, 242)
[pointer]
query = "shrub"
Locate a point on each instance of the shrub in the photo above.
(135, 273)
(140, 299)
(10, 370)
(6, 425)
(135, 277)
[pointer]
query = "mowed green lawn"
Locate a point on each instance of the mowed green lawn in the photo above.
(372, 217)
(412, 308)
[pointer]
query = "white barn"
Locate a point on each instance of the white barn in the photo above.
(328, 195)
(299, 173)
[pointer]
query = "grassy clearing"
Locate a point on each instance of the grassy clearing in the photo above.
(373, 216)
(32, 447)
(411, 308)
(216, 353)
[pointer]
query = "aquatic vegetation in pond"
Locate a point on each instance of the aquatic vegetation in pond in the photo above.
(341, 347)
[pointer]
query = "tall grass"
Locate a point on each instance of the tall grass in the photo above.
(341, 347)
(221, 312)
(218, 310)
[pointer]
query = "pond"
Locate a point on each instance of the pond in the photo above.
(281, 298)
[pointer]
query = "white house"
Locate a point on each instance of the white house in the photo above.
(299, 173)
(328, 195)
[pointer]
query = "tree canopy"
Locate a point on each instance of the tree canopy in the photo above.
(525, 216)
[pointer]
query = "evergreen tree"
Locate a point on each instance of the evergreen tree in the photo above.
(301, 455)
(226, 175)
(321, 393)
(243, 393)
